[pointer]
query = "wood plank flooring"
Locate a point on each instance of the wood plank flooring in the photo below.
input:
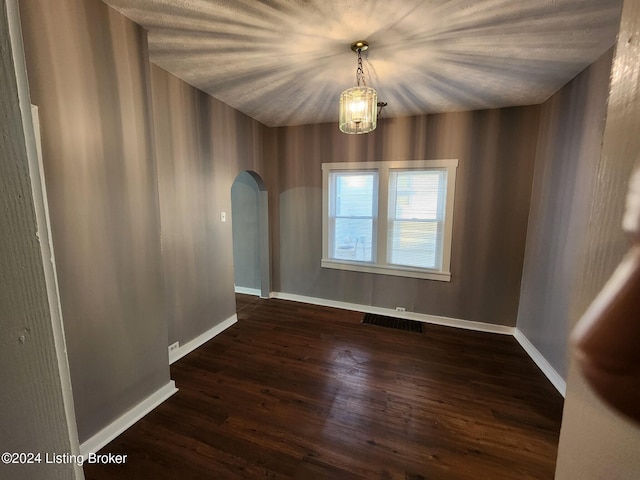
(295, 391)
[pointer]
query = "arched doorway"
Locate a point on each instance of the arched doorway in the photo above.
(250, 227)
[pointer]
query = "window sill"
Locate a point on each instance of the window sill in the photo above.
(394, 270)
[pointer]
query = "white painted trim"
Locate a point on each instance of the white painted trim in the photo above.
(248, 291)
(542, 363)
(420, 317)
(191, 345)
(395, 270)
(406, 164)
(111, 431)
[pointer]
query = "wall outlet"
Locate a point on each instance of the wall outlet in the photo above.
(223, 217)
(401, 309)
(174, 347)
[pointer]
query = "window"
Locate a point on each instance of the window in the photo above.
(392, 218)
(353, 213)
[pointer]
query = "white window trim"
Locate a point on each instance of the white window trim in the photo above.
(383, 168)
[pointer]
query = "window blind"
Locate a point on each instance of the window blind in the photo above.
(416, 217)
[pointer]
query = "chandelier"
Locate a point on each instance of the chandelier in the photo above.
(359, 104)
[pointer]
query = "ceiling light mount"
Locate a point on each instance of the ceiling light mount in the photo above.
(358, 105)
(361, 45)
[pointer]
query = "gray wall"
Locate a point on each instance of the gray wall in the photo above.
(569, 145)
(595, 441)
(35, 394)
(496, 152)
(88, 73)
(201, 144)
(246, 238)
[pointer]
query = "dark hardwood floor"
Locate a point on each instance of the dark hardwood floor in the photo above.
(295, 391)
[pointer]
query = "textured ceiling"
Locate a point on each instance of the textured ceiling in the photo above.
(285, 62)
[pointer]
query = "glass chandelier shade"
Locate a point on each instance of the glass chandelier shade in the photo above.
(358, 110)
(359, 104)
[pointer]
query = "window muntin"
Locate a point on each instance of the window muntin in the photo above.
(413, 201)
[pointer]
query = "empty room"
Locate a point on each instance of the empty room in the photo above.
(319, 239)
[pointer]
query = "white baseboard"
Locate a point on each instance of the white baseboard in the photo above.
(420, 317)
(111, 431)
(191, 345)
(541, 362)
(248, 291)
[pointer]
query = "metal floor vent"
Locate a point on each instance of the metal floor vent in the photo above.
(390, 322)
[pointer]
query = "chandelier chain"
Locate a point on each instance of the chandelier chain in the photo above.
(360, 71)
